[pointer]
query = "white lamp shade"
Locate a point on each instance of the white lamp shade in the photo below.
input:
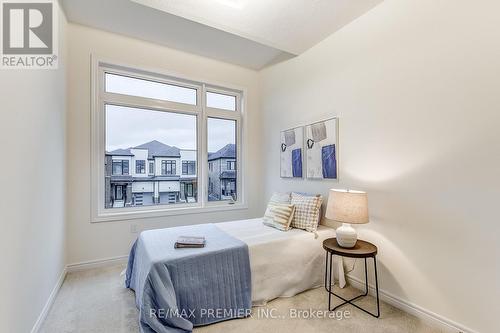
(347, 206)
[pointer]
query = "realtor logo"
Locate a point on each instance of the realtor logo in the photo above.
(28, 34)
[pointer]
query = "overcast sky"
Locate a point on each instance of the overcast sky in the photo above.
(129, 127)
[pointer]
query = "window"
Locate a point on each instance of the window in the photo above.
(221, 101)
(168, 167)
(164, 126)
(188, 167)
(143, 134)
(140, 166)
(221, 147)
(120, 167)
(144, 88)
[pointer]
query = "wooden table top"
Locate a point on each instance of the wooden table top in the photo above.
(362, 249)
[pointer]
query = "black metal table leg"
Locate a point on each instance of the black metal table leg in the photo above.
(330, 281)
(376, 286)
(328, 268)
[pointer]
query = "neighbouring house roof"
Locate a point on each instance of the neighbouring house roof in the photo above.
(155, 149)
(120, 152)
(228, 151)
(228, 174)
(158, 149)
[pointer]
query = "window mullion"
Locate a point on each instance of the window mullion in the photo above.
(203, 151)
(217, 113)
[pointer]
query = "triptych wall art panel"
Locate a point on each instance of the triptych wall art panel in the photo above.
(321, 149)
(317, 144)
(292, 146)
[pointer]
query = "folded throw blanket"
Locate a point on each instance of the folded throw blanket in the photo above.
(176, 290)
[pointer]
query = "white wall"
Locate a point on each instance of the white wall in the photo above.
(415, 84)
(416, 87)
(32, 203)
(89, 241)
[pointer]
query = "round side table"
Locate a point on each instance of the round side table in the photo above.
(362, 249)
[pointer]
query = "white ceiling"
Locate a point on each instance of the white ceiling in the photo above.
(250, 33)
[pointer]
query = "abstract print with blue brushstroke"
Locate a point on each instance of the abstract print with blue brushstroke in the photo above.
(297, 163)
(329, 162)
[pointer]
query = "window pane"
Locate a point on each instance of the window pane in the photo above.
(140, 166)
(188, 167)
(117, 167)
(222, 178)
(140, 138)
(143, 88)
(125, 167)
(168, 167)
(221, 101)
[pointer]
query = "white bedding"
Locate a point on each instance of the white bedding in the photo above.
(283, 264)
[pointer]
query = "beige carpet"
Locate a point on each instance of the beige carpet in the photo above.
(96, 301)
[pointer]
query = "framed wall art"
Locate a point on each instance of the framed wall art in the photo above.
(292, 150)
(321, 149)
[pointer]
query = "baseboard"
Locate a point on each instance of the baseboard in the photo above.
(428, 316)
(50, 301)
(79, 266)
(432, 318)
(73, 268)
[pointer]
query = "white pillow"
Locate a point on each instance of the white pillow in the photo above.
(280, 197)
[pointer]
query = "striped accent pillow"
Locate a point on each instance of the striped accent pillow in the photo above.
(307, 211)
(279, 215)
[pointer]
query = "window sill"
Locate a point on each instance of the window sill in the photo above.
(142, 214)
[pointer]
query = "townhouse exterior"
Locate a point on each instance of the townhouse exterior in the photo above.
(155, 173)
(222, 174)
(149, 174)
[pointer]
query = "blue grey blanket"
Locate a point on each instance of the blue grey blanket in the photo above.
(176, 289)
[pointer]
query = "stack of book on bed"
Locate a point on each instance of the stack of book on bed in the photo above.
(189, 242)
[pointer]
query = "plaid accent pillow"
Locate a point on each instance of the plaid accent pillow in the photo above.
(307, 211)
(279, 215)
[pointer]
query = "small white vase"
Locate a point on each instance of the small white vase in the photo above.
(346, 235)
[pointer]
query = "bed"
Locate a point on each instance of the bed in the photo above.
(275, 256)
(245, 263)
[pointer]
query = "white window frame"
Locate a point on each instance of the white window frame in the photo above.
(100, 98)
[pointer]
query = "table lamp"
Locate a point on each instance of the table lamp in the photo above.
(348, 207)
